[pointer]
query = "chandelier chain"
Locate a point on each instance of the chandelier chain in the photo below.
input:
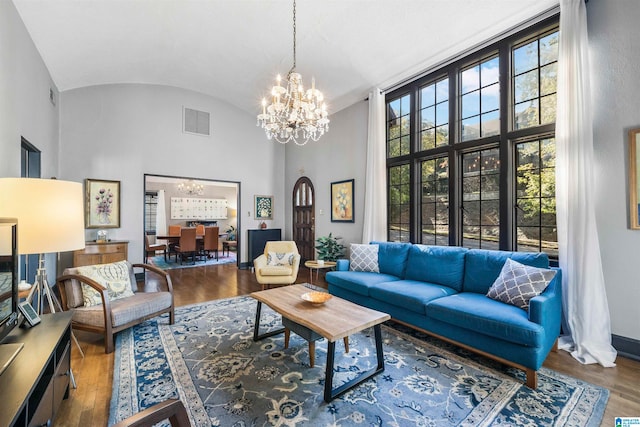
(294, 37)
(294, 114)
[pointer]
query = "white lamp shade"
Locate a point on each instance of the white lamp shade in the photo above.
(50, 213)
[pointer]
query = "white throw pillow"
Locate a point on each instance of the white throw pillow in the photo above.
(114, 277)
(518, 283)
(280, 258)
(364, 258)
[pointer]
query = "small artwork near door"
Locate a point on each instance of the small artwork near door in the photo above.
(634, 178)
(264, 207)
(102, 203)
(342, 201)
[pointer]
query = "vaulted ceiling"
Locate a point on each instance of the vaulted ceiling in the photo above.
(232, 49)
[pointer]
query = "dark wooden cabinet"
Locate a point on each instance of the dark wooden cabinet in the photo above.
(34, 384)
(258, 238)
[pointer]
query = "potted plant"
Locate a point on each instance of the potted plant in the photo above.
(329, 249)
(231, 233)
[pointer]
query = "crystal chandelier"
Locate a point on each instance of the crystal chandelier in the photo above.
(191, 188)
(293, 114)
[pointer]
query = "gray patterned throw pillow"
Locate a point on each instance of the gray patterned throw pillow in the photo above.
(114, 277)
(518, 283)
(364, 258)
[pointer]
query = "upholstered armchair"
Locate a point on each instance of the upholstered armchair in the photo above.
(278, 265)
(110, 300)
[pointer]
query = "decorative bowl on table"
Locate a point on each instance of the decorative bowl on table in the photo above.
(316, 297)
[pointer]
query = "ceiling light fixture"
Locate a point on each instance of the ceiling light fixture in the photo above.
(191, 188)
(293, 114)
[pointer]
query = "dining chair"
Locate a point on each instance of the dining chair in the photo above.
(187, 244)
(173, 230)
(210, 241)
(199, 230)
(151, 249)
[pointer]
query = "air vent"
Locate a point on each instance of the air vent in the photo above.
(196, 122)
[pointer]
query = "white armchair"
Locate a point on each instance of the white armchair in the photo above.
(278, 265)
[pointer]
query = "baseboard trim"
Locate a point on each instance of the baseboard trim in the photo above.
(626, 347)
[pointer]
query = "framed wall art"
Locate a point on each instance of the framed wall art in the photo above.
(102, 203)
(634, 180)
(263, 207)
(342, 201)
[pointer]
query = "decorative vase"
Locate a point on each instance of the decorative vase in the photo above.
(263, 225)
(103, 218)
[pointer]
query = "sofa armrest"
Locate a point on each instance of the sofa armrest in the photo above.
(546, 308)
(165, 282)
(342, 265)
(106, 303)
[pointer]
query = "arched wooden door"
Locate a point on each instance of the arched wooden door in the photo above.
(304, 218)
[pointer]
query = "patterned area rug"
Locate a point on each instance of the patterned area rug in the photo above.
(170, 263)
(209, 360)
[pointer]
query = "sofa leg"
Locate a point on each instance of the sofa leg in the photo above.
(532, 378)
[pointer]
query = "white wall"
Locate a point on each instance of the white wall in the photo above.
(339, 155)
(614, 39)
(120, 132)
(25, 109)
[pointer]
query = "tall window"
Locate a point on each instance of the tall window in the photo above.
(471, 148)
(150, 211)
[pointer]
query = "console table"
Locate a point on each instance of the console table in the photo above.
(257, 239)
(34, 384)
(101, 253)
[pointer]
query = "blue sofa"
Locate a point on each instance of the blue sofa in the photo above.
(441, 290)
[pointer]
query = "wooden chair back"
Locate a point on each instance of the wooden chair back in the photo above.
(211, 238)
(199, 230)
(174, 230)
(187, 240)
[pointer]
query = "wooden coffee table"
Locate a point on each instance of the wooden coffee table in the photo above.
(334, 320)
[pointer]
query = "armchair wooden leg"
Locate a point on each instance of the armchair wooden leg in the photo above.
(108, 342)
(346, 344)
(287, 334)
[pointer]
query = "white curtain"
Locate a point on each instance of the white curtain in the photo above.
(586, 312)
(161, 215)
(375, 195)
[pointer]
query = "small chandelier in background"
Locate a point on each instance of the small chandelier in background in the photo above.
(293, 114)
(191, 188)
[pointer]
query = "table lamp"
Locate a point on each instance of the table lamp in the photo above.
(50, 215)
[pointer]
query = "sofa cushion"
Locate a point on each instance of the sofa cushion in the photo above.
(392, 257)
(409, 294)
(114, 277)
(363, 258)
(482, 267)
(358, 282)
(442, 265)
(518, 283)
(480, 314)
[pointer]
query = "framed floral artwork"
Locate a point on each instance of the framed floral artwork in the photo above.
(342, 201)
(102, 203)
(264, 207)
(634, 178)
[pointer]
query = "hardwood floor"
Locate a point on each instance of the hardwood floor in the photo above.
(88, 405)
